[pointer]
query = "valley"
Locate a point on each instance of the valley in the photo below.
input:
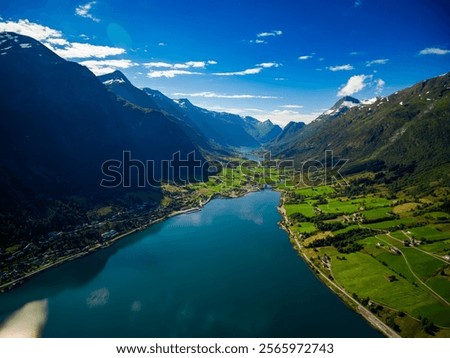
(364, 187)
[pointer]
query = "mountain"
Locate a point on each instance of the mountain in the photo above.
(119, 84)
(340, 107)
(59, 124)
(216, 132)
(263, 132)
(408, 129)
(287, 143)
(288, 134)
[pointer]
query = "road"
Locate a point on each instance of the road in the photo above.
(369, 316)
(434, 293)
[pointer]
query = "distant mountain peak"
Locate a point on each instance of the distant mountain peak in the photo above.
(116, 77)
(183, 102)
(348, 99)
(340, 107)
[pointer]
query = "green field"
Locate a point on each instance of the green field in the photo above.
(440, 285)
(389, 224)
(337, 206)
(423, 265)
(438, 247)
(440, 215)
(304, 209)
(315, 191)
(365, 276)
(378, 213)
(430, 233)
(304, 228)
(375, 202)
(384, 267)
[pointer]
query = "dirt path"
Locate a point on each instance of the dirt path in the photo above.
(425, 252)
(369, 316)
(433, 292)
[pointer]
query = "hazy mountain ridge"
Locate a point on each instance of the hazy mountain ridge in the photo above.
(221, 132)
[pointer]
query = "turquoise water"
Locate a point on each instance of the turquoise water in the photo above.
(226, 271)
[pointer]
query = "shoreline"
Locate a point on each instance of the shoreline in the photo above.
(339, 291)
(18, 281)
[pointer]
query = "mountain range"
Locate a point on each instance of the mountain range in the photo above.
(214, 132)
(60, 123)
(410, 128)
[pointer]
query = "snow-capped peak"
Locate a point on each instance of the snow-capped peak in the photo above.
(341, 106)
(114, 81)
(369, 101)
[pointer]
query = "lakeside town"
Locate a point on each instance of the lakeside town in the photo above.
(24, 260)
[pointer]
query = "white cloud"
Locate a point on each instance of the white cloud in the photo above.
(158, 64)
(176, 69)
(280, 117)
(305, 57)
(260, 38)
(27, 28)
(178, 66)
(270, 33)
(354, 84)
(170, 73)
(434, 51)
(217, 95)
(379, 86)
(56, 42)
(194, 64)
(347, 67)
(291, 106)
(249, 71)
(83, 50)
(381, 61)
(283, 117)
(357, 3)
(268, 64)
(83, 11)
(102, 67)
(162, 44)
(240, 111)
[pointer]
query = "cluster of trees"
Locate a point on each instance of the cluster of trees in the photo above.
(428, 326)
(361, 186)
(294, 198)
(299, 217)
(390, 321)
(330, 226)
(345, 242)
(445, 206)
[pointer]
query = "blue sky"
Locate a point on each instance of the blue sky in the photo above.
(283, 60)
